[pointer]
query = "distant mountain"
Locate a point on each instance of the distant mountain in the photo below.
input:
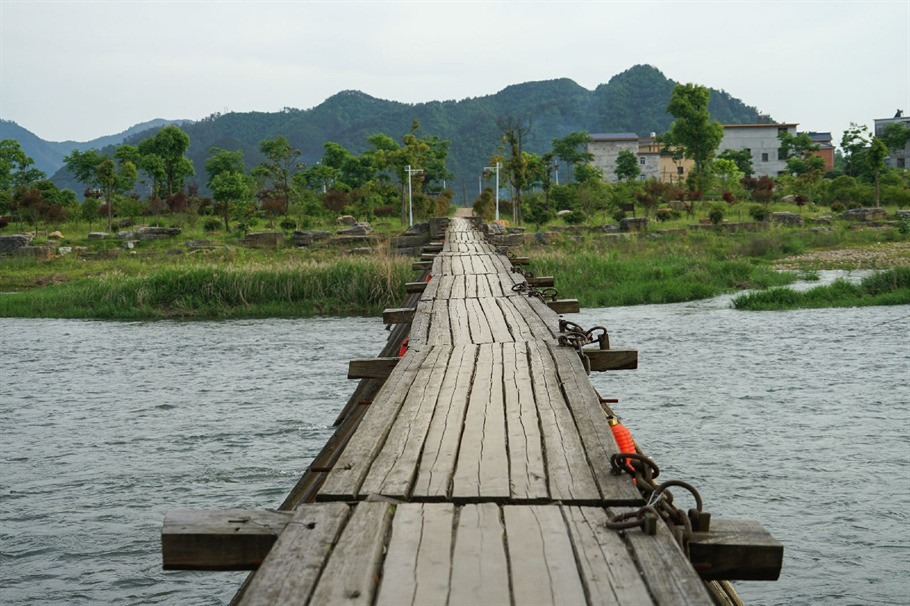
(48, 155)
(633, 101)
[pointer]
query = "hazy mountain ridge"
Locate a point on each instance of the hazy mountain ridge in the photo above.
(632, 101)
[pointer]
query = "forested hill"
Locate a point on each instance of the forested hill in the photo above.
(633, 101)
(48, 155)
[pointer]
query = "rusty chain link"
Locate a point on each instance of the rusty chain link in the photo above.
(541, 293)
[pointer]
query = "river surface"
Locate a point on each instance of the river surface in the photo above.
(800, 420)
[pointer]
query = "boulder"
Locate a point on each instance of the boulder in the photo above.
(900, 214)
(819, 220)
(56, 235)
(346, 220)
(64, 250)
(13, 243)
(265, 239)
(357, 229)
(98, 235)
(542, 237)
(308, 237)
(44, 252)
(129, 244)
(633, 224)
(350, 240)
(155, 233)
(864, 214)
(409, 241)
(418, 229)
(678, 205)
(509, 240)
(791, 199)
(789, 219)
(124, 223)
(607, 228)
(198, 244)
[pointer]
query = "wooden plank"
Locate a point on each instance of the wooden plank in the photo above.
(478, 323)
(372, 368)
(289, 573)
(593, 427)
(527, 470)
(350, 573)
(395, 465)
(482, 471)
(496, 320)
(440, 330)
(736, 550)
(219, 539)
(411, 287)
(607, 570)
(459, 287)
(420, 325)
(520, 260)
(541, 560)
(517, 324)
(564, 306)
(421, 265)
(398, 315)
(569, 476)
(541, 281)
(352, 466)
(665, 568)
(480, 573)
(416, 569)
(440, 452)
(459, 324)
(612, 359)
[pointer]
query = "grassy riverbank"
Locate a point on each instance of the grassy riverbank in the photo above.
(234, 281)
(889, 287)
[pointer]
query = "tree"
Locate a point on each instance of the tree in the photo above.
(163, 158)
(878, 151)
(627, 168)
(741, 157)
(895, 136)
(693, 130)
(16, 172)
(227, 180)
(853, 142)
(567, 149)
(278, 169)
(111, 177)
(514, 131)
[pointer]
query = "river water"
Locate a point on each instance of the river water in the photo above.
(800, 420)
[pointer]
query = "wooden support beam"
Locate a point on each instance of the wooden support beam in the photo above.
(421, 265)
(427, 256)
(412, 287)
(612, 359)
(564, 306)
(372, 368)
(736, 550)
(432, 248)
(541, 281)
(398, 315)
(520, 260)
(221, 539)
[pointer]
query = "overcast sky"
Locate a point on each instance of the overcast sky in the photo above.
(79, 70)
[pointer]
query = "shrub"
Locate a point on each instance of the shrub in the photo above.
(716, 214)
(211, 225)
(288, 224)
(759, 212)
(663, 214)
(838, 207)
(389, 210)
(576, 217)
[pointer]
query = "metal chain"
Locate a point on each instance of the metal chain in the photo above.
(541, 293)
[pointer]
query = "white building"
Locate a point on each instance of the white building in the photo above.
(762, 141)
(897, 158)
(605, 148)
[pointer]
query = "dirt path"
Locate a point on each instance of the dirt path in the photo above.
(464, 211)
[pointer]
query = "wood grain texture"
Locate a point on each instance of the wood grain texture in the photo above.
(480, 572)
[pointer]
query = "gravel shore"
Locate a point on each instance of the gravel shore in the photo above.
(875, 256)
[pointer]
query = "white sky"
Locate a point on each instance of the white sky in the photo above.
(79, 70)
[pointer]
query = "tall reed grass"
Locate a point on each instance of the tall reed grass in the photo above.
(341, 287)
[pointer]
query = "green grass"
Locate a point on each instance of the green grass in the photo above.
(890, 287)
(349, 287)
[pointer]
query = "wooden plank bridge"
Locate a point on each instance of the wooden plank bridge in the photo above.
(476, 468)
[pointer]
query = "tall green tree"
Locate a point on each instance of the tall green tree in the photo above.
(878, 152)
(17, 172)
(112, 177)
(279, 168)
(514, 133)
(163, 158)
(853, 143)
(229, 183)
(693, 130)
(572, 149)
(741, 157)
(627, 168)
(895, 136)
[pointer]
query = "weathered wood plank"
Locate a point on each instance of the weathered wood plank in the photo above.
(527, 471)
(350, 573)
(440, 451)
(398, 315)
(541, 281)
(440, 330)
(421, 265)
(417, 567)
(459, 323)
(290, 571)
(607, 570)
(736, 550)
(564, 306)
(569, 476)
(517, 324)
(478, 323)
(480, 573)
(541, 560)
(593, 427)
(496, 320)
(482, 470)
(612, 359)
(412, 287)
(665, 568)
(372, 368)
(219, 539)
(346, 476)
(395, 465)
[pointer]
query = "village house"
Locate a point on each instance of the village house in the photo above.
(653, 163)
(763, 142)
(898, 158)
